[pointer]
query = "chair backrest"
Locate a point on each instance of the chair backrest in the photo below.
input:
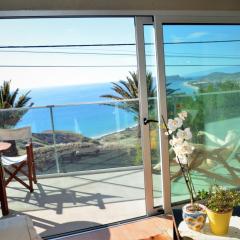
(15, 134)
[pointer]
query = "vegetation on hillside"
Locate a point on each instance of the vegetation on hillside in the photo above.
(217, 99)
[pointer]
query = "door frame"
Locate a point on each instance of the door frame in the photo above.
(143, 110)
(146, 17)
(162, 111)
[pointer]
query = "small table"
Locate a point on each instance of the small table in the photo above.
(3, 195)
(206, 234)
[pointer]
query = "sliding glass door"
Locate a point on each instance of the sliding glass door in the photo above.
(202, 66)
(81, 75)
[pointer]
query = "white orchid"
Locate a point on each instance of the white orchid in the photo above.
(182, 159)
(182, 115)
(181, 147)
(187, 148)
(175, 141)
(182, 150)
(184, 134)
(174, 124)
(178, 141)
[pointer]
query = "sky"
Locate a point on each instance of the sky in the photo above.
(66, 31)
(57, 31)
(215, 56)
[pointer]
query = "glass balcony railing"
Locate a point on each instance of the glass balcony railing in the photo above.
(80, 137)
(88, 159)
(104, 136)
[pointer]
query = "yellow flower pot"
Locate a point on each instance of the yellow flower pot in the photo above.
(219, 222)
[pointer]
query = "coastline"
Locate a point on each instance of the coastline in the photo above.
(113, 132)
(189, 85)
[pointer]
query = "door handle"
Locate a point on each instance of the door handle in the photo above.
(146, 121)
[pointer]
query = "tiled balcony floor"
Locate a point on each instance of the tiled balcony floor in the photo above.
(68, 203)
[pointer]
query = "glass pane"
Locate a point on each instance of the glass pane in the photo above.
(153, 112)
(203, 66)
(84, 120)
(97, 137)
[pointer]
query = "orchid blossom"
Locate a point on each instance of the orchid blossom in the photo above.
(179, 138)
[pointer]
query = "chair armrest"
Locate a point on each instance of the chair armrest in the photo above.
(28, 145)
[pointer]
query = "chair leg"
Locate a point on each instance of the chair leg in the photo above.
(33, 167)
(30, 169)
(34, 173)
(30, 176)
(14, 176)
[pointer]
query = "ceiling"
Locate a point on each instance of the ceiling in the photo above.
(223, 5)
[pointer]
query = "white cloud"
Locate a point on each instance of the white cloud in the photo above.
(196, 35)
(176, 39)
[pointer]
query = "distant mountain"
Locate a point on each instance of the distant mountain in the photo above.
(233, 69)
(218, 80)
(221, 77)
(217, 77)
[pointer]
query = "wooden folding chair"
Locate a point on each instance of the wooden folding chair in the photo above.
(18, 162)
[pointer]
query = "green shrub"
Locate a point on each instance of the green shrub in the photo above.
(220, 200)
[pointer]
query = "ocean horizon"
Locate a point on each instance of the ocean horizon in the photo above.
(90, 120)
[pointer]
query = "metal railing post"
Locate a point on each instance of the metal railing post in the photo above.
(54, 137)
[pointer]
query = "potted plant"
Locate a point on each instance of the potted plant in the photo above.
(194, 214)
(220, 203)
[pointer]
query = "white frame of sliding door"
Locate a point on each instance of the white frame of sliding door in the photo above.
(143, 109)
(161, 109)
(162, 112)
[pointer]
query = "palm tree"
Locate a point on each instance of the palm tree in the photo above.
(128, 90)
(10, 99)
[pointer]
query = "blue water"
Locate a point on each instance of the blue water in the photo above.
(91, 120)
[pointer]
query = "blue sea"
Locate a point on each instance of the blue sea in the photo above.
(91, 120)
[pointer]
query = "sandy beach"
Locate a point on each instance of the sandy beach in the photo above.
(188, 84)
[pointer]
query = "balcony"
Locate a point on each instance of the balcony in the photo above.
(83, 181)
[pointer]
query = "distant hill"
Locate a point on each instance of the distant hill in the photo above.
(46, 138)
(209, 71)
(221, 77)
(216, 77)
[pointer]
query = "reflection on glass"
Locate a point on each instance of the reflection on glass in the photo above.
(203, 66)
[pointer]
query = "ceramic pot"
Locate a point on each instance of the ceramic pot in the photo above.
(195, 220)
(219, 222)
